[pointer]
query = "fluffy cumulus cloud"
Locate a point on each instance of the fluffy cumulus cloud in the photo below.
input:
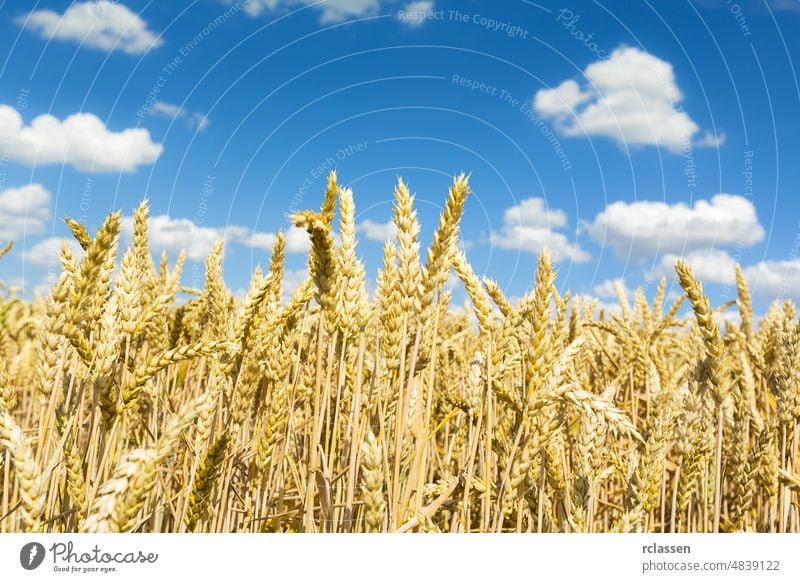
(192, 119)
(530, 226)
(643, 228)
(47, 252)
(597, 305)
(377, 231)
(768, 280)
(175, 234)
(604, 298)
(710, 265)
(23, 211)
(104, 24)
(415, 13)
(710, 139)
(331, 10)
(81, 140)
(292, 279)
(774, 279)
(608, 289)
(631, 97)
(297, 240)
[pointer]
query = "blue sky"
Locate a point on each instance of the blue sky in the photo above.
(619, 135)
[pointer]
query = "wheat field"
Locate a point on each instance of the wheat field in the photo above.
(128, 403)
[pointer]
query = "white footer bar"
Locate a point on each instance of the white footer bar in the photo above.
(374, 558)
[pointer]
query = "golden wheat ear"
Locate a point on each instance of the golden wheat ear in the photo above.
(4, 250)
(321, 409)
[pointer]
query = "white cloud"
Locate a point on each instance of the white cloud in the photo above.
(23, 211)
(260, 240)
(609, 307)
(768, 280)
(608, 289)
(415, 13)
(81, 140)
(529, 226)
(172, 235)
(774, 279)
(332, 10)
(292, 279)
(47, 252)
(730, 316)
(175, 234)
(643, 228)
(712, 140)
(164, 109)
(534, 212)
(171, 111)
(377, 231)
(711, 265)
(297, 240)
(560, 101)
(31, 287)
(103, 24)
(42, 289)
(631, 97)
